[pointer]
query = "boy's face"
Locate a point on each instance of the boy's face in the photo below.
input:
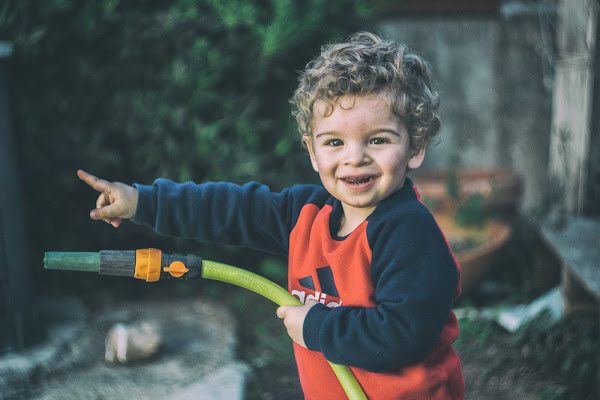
(361, 152)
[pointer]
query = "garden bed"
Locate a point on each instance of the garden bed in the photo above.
(537, 363)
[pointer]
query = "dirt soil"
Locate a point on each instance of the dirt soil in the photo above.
(501, 370)
(498, 371)
(495, 366)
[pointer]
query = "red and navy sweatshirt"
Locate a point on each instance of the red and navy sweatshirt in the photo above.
(385, 290)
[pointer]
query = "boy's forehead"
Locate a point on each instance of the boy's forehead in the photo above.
(363, 113)
(324, 109)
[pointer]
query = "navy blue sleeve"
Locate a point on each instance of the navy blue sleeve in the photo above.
(415, 278)
(249, 215)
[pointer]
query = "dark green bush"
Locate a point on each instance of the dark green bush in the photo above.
(183, 89)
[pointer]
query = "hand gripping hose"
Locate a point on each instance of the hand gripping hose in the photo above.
(152, 264)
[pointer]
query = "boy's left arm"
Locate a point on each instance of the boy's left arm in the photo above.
(415, 284)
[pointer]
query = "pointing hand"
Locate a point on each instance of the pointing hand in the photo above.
(116, 201)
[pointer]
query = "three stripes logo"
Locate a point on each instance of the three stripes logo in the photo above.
(326, 285)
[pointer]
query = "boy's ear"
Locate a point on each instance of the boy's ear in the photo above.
(308, 142)
(417, 159)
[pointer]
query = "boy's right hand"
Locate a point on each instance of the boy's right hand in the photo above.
(116, 201)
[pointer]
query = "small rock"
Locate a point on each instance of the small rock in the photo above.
(125, 344)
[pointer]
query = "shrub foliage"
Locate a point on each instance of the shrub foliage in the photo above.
(132, 90)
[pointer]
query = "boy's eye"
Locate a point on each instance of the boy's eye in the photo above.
(378, 141)
(334, 142)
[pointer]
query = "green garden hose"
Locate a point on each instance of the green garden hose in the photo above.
(152, 264)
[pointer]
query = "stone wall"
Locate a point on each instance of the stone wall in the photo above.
(495, 81)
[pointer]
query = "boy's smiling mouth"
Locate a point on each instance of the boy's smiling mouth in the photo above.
(358, 180)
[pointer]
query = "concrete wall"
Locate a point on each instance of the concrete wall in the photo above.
(573, 155)
(495, 84)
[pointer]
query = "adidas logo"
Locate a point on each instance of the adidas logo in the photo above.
(327, 284)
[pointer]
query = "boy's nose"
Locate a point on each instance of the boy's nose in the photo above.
(356, 154)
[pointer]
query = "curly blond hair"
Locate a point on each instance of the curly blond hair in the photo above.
(366, 65)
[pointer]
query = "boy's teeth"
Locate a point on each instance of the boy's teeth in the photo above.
(357, 181)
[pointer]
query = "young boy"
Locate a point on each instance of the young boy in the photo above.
(366, 258)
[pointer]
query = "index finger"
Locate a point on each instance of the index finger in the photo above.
(95, 182)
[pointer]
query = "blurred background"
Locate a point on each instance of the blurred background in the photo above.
(198, 90)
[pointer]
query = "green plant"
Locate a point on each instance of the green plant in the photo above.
(452, 187)
(470, 212)
(476, 331)
(185, 89)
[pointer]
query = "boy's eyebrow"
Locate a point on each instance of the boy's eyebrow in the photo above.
(373, 132)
